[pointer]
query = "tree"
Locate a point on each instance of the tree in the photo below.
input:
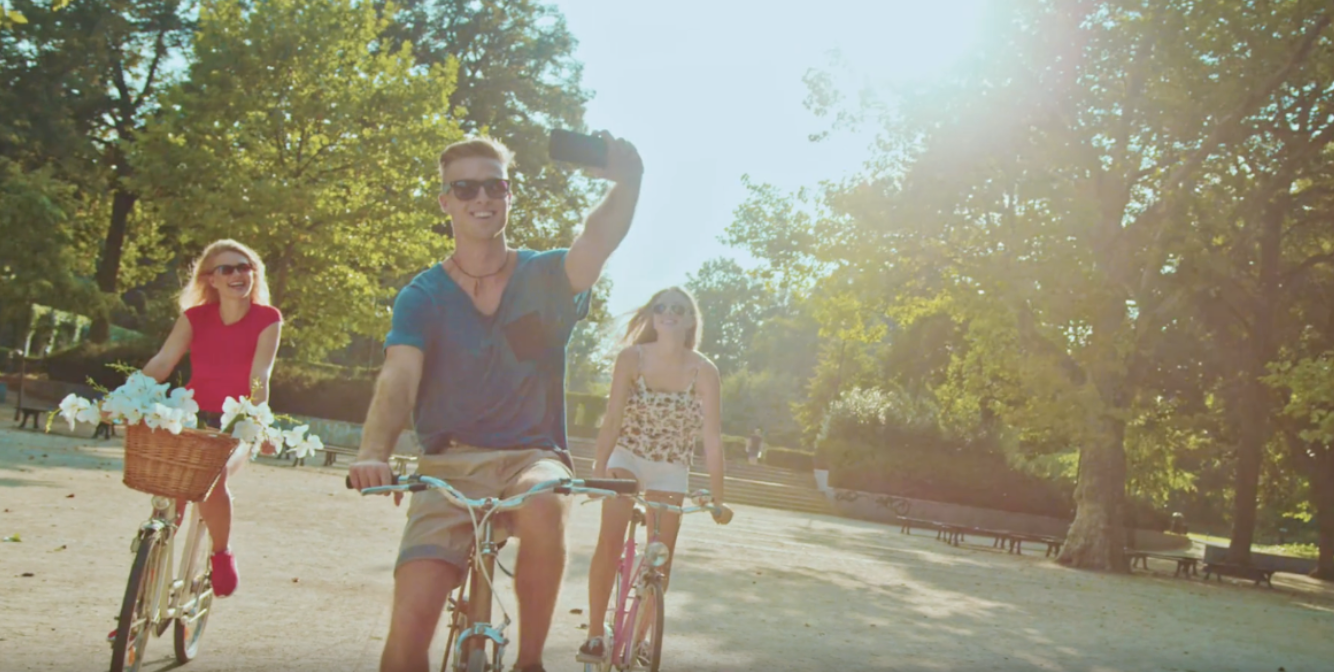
(84, 79)
(1036, 199)
(299, 135)
(517, 78)
(732, 306)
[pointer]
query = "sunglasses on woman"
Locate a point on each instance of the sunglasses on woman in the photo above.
(228, 269)
(675, 308)
(466, 190)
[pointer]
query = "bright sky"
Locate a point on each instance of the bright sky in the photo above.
(710, 91)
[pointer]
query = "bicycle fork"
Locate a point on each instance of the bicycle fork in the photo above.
(480, 628)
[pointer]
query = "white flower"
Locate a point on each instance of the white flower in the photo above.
(184, 400)
(308, 446)
(295, 435)
(262, 414)
(248, 431)
(231, 408)
(71, 407)
(89, 414)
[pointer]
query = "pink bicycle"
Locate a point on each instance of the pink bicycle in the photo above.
(634, 627)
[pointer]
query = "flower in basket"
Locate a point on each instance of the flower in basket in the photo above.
(301, 442)
(253, 425)
(140, 399)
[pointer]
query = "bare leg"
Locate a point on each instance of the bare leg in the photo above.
(216, 510)
(540, 566)
(420, 590)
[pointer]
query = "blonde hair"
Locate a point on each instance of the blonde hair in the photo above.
(198, 292)
(641, 323)
(477, 146)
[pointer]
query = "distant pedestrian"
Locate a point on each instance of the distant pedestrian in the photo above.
(755, 446)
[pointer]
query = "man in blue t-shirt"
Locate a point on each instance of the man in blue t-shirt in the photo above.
(476, 355)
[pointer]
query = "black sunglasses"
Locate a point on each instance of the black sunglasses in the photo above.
(676, 309)
(466, 190)
(228, 269)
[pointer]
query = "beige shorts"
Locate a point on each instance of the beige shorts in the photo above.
(437, 529)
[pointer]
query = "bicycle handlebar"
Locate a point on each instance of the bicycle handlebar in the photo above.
(563, 486)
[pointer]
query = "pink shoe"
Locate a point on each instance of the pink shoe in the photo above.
(224, 574)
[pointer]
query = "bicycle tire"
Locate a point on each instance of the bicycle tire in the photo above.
(127, 655)
(652, 589)
(477, 660)
(186, 633)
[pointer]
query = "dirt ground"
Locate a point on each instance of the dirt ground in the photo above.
(773, 591)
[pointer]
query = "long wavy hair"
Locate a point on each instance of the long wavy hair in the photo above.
(641, 328)
(198, 291)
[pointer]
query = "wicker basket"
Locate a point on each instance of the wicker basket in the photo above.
(184, 466)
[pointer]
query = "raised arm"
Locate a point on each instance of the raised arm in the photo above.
(622, 376)
(710, 392)
(607, 225)
(173, 349)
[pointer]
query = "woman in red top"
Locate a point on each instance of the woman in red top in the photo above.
(231, 333)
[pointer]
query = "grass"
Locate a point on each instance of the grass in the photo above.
(1290, 550)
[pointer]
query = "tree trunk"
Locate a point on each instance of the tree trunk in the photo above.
(1096, 537)
(108, 267)
(1322, 486)
(1250, 455)
(1256, 400)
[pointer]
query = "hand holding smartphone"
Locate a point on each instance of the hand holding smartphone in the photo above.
(585, 150)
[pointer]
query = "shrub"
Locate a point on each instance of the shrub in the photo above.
(787, 458)
(887, 442)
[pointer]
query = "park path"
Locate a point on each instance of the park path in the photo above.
(773, 591)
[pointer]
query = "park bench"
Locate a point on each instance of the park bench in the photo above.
(1220, 569)
(331, 454)
(907, 525)
(1053, 543)
(33, 405)
(955, 534)
(1185, 564)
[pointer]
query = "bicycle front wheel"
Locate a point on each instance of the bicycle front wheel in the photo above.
(136, 611)
(189, 626)
(646, 651)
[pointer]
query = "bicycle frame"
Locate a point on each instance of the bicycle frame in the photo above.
(635, 572)
(168, 588)
(482, 559)
(482, 562)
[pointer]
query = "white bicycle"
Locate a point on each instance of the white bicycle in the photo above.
(157, 599)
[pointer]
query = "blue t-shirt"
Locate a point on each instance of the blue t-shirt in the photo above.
(491, 381)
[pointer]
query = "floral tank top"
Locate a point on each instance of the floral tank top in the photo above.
(661, 426)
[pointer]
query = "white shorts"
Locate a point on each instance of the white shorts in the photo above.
(662, 476)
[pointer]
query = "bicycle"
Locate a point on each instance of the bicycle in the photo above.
(638, 582)
(155, 599)
(470, 626)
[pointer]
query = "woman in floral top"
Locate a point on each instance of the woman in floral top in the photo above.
(664, 397)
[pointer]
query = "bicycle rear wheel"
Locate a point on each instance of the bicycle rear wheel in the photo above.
(646, 645)
(136, 611)
(189, 626)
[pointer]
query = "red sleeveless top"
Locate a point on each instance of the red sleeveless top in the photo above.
(221, 355)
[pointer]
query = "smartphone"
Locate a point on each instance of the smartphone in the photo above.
(585, 150)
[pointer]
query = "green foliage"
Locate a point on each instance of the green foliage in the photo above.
(891, 442)
(761, 400)
(516, 79)
(326, 165)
